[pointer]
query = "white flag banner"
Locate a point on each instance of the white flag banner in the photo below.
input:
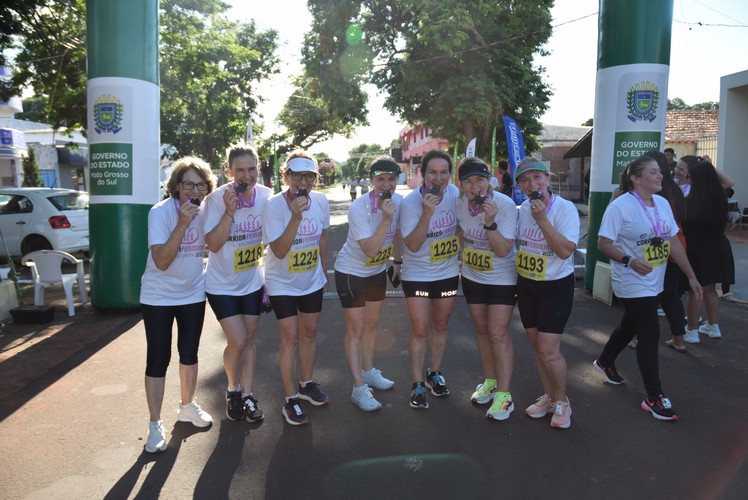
(249, 139)
(470, 151)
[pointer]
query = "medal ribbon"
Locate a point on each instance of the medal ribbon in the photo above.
(241, 202)
(655, 223)
(374, 199)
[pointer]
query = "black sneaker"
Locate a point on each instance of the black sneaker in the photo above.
(293, 414)
(435, 381)
(611, 374)
(252, 412)
(234, 405)
(313, 394)
(660, 408)
(418, 396)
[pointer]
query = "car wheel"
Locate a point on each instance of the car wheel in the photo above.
(35, 243)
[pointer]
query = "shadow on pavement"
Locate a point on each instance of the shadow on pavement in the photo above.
(49, 354)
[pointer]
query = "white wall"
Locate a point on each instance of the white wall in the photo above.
(733, 126)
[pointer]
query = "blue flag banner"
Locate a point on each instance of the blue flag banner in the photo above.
(515, 147)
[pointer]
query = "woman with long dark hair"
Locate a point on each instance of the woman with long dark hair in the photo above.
(708, 248)
(670, 300)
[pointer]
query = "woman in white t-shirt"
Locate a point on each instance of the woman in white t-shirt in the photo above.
(295, 224)
(173, 287)
(360, 276)
(364, 183)
(430, 271)
(638, 234)
(547, 235)
(487, 227)
(233, 278)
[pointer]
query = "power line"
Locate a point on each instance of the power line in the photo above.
(699, 23)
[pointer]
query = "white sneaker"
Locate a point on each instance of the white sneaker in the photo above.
(362, 397)
(191, 412)
(156, 437)
(692, 336)
(710, 330)
(373, 378)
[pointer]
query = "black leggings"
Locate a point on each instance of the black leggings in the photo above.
(670, 300)
(639, 319)
(158, 321)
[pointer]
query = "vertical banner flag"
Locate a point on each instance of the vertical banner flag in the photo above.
(515, 147)
(249, 138)
(493, 149)
(470, 151)
(455, 158)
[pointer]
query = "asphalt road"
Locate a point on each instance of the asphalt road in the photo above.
(73, 419)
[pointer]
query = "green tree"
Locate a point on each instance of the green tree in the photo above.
(706, 106)
(454, 66)
(50, 57)
(328, 98)
(359, 159)
(30, 170)
(209, 67)
(676, 103)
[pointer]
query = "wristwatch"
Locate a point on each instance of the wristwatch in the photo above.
(625, 260)
(492, 227)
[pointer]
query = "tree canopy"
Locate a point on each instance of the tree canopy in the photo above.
(359, 158)
(51, 57)
(678, 103)
(209, 67)
(328, 97)
(455, 66)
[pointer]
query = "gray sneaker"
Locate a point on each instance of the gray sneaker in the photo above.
(363, 398)
(373, 378)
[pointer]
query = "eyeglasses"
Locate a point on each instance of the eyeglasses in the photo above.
(309, 176)
(189, 186)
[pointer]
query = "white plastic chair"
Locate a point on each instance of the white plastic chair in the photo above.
(46, 270)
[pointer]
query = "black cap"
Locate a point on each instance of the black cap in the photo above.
(473, 168)
(384, 165)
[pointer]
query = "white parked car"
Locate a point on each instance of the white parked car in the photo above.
(43, 218)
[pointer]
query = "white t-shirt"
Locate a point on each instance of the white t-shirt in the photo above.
(437, 257)
(494, 183)
(362, 224)
(300, 271)
(183, 282)
(235, 268)
(536, 260)
(631, 231)
(479, 262)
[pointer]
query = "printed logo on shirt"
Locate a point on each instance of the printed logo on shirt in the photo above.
(308, 227)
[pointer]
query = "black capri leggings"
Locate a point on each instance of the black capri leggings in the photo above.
(640, 320)
(158, 321)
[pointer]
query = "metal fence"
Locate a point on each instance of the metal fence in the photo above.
(707, 146)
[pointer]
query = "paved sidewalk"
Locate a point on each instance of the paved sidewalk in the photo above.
(73, 418)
